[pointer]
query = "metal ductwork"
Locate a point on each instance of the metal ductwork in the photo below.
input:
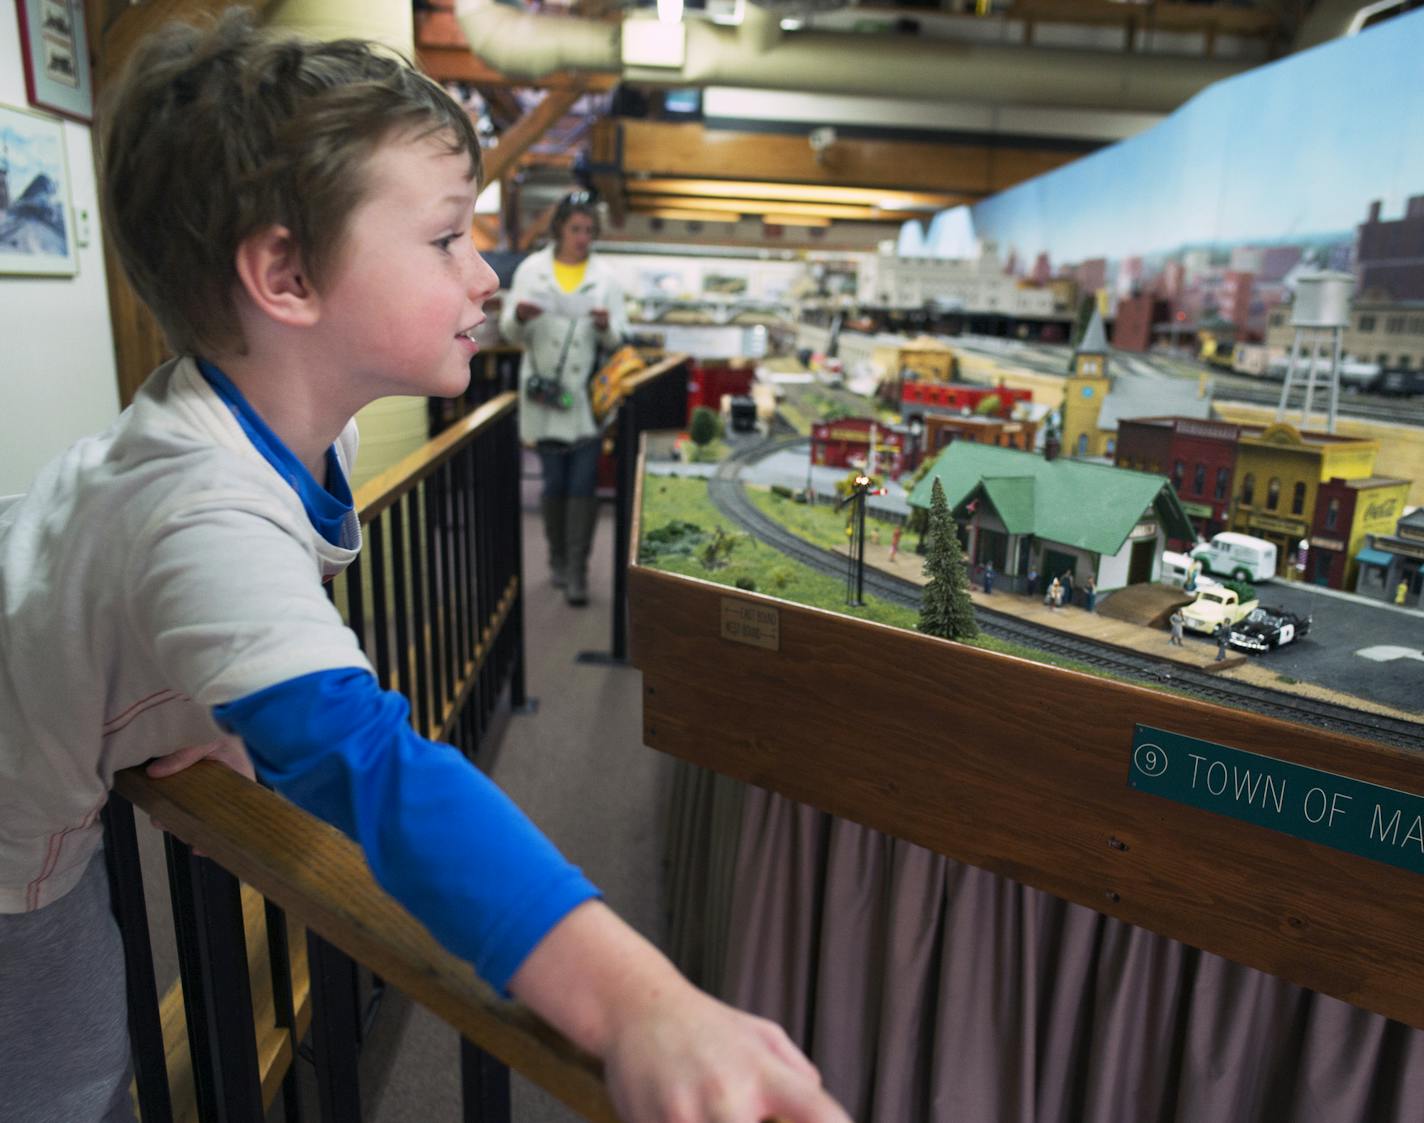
(758, 53)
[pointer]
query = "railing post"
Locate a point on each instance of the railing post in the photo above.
(334, 1026)
(484, 1085)
(217, 995)
(127, 901)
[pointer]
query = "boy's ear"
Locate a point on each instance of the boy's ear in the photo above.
(271, 272)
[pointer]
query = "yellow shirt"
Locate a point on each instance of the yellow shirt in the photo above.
(569, 277)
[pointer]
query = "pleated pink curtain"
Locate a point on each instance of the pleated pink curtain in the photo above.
(932, 992)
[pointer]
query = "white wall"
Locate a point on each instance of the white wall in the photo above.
(57, 375)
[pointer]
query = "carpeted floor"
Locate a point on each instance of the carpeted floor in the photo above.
(579, 768)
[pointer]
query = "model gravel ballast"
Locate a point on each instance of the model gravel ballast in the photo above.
(1215, 606)
(1266, 628)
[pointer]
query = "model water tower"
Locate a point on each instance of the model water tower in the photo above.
(1320, 315)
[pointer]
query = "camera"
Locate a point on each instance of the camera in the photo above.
(548, 392)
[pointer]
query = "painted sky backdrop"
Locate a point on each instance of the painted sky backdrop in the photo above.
(1286, 152)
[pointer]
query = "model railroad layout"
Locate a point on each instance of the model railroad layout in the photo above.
(727, 495)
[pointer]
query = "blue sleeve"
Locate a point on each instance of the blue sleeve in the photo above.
(439, 836)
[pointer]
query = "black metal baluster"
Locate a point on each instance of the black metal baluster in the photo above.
(420, 615)
(401, 607)
(484, 1084)
(449, 585)
(335, 1021)
(131, 913)
(518, 691)
(217, 994)
(284, 1012)
(355, 603)
(380, 620)
(434, 609)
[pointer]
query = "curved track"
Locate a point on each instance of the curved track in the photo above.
(725, 490)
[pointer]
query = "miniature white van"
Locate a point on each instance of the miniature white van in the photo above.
(1242, 557)
(1175, 568)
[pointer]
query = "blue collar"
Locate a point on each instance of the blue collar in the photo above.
(328, 506)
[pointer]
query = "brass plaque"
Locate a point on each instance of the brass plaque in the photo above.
(756, 624)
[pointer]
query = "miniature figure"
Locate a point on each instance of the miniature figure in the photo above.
(1090, 593)
(1176, 620)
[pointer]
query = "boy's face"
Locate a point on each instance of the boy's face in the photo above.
(410, 283)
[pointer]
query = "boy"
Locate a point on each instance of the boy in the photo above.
(297, 217)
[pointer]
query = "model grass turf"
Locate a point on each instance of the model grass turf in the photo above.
(679, 523)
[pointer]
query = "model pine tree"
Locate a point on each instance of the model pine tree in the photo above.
(945, 609)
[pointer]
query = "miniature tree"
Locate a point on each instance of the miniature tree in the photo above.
(706, 426)
(945, 609)
(988, 406)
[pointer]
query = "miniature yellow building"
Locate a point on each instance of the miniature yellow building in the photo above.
(1349, 513)
(1278, 476)
(1084, 392)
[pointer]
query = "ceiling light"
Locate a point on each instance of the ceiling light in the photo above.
(794, 220)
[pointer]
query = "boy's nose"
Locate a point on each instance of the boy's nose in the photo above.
(484, 282)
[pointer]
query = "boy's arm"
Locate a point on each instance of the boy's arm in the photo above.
(670, 1052)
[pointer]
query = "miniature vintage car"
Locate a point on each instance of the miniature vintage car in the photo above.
(1265, 628)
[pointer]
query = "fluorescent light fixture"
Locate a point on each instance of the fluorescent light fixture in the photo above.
(794, 220)
(670, 11)
(679, 214)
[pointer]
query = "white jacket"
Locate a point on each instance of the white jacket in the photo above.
(154, 571)
(544, 339)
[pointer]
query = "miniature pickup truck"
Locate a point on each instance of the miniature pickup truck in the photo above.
(1214, 606)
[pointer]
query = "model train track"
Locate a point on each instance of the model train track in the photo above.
(727, 495)
(1246, 390)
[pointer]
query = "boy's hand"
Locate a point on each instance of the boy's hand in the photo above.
(693, 1059)
(527, 310)
(227, 751)
(600, 318)
(671, 1054)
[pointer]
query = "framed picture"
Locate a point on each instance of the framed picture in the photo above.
(55, 50)
(36, 224)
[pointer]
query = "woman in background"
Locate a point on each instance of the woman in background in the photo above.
(564, 304)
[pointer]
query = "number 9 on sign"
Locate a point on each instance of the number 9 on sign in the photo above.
(1150, 760)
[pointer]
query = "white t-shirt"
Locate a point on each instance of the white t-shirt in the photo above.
(154, 571)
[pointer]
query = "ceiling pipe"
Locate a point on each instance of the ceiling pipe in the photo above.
(531, 46)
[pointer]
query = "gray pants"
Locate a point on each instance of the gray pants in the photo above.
(64, 1039)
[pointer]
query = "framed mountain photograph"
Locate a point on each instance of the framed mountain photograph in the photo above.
(36, 215)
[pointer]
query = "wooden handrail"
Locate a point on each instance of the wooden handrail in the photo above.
(320, 878)
(657, 370)
(378, 493)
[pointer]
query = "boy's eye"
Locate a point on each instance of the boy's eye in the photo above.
(446, 242)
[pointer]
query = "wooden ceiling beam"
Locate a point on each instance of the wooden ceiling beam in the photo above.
(689, 150)
(515, 141)
(459, 64)
(119, 38)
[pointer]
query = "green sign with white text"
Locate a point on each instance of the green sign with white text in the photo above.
(1369, 820)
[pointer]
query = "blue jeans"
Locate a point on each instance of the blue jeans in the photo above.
(570, 470)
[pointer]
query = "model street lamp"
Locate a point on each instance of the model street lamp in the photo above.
(855, 557)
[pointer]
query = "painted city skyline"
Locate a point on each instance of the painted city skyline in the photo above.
(1290, 154)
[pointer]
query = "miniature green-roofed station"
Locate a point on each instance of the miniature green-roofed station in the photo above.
(1093, 507)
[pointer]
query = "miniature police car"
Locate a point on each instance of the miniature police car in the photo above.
(1265, 628)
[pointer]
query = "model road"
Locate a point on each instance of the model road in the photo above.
(727, 495)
